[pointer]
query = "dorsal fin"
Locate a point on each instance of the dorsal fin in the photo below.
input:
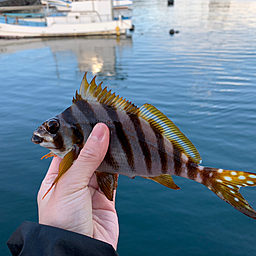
(166, 127)
(93, 92)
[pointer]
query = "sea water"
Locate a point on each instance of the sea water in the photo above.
(202, 78)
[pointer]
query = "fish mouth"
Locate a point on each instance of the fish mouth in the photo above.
(36, 139)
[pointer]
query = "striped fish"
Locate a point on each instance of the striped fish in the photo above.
(143, 142)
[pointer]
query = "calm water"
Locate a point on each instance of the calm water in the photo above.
(202, 78)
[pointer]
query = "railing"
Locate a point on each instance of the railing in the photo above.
(80, 18)
(20, 21)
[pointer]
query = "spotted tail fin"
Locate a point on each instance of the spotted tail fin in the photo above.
(226, 184)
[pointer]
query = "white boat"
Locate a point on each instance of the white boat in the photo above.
(120, 7)
(65, 5)
(17, 2)
(85, 18)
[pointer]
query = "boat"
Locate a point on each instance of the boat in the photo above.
(120, 7)
(18, 2)
(65, 5)
(93, 17)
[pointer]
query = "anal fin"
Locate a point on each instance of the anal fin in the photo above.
(107, 183)
(164, 179)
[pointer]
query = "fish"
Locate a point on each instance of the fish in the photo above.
(143, 142)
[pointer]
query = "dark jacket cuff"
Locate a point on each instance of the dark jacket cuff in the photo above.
(35, 239)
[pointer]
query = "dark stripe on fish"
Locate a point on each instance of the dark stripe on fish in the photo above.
(58, 142)
(141, 137)
(90, 115)
(110, 160)
(177, 161)
(207, 175)
(192, 170)
(69, 118)
(87, 111)
(122, 137)
(161, 150)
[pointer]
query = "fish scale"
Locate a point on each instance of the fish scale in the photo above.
(143, 142)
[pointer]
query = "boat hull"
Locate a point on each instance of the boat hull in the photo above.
(59, 30)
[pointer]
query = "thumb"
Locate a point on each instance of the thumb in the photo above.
(91, 155)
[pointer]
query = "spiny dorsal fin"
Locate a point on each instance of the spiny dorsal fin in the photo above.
(93, 92)
(166, 127)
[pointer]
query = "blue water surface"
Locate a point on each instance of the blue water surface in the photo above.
(203, 78)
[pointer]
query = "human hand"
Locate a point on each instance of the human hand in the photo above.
(75, 203)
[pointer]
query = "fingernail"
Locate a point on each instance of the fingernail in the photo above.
(98, 132)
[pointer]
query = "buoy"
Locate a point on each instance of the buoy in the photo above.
(170, 2)
(132, 28)
(117, 31)
(172, 32)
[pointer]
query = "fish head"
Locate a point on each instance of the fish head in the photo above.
(56, 135)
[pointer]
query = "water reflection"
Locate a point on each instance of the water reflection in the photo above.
(96, 55)
(215, 6)
(218, 14)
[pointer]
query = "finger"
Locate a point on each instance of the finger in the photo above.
(90, 156)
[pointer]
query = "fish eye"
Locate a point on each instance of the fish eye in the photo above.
(52, 126)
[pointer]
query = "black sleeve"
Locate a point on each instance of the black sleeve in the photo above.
(32, 239)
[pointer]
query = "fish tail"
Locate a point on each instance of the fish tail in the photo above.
(226, 184)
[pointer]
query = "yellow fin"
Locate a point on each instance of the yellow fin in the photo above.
(65, 164)
(107, 183)
(166, 127)
(164, 179)
(226, 184)
(92, 92)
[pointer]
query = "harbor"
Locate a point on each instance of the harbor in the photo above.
(202, 78)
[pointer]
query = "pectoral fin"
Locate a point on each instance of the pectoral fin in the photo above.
(107, 183)
(166, 180)
(50, 154)
(65, 164)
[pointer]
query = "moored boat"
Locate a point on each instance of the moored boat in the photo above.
(65, 5)
(18, 2)
(85, 18)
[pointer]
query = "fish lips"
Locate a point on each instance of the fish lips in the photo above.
(38, 135)
(36, 139)
(43, 138)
